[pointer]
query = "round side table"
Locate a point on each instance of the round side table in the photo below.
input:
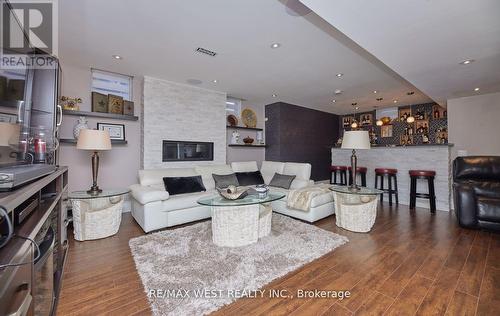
(355, 210)
(97, 216)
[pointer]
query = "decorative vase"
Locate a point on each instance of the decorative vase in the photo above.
(81, 124)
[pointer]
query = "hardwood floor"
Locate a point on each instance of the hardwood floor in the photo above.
(411, 263)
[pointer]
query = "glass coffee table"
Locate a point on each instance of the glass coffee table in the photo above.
(96, 216)
(240, 222)
(355, 210)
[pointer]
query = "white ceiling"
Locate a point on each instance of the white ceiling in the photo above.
(425, 40)
(158, 38)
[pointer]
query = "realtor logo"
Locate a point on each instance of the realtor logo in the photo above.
(27, 25)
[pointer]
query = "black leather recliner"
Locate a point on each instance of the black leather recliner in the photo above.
(476, 191)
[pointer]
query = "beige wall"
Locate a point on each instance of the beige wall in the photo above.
(119, 166)
(474, 124)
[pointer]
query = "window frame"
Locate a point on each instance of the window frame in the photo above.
(116, 74)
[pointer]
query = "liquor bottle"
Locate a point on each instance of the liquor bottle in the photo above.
(425, 138)
(436, 113)
(410, 130)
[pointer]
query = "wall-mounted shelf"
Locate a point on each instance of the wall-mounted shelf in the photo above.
(243, 127)
(73, 141)
(247, 146)
(103, 115)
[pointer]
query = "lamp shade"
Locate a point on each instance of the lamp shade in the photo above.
(356, 140)
(91, 139)
(9, 134)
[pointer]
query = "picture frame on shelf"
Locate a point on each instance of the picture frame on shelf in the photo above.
(366, 119)
(438, 112)
(99, 102)
(115, 104)
(116, 131)
(347, 121)
(128, 107)
(386, 131)
(404, 113)
(424, 124)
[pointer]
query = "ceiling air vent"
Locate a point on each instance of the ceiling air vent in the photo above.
(206, 51)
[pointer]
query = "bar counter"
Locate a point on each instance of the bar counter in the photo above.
(404, 158)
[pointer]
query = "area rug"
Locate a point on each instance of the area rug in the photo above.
(184, 273)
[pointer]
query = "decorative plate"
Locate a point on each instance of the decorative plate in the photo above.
(233, 193)
(249, 118)
(232, 120)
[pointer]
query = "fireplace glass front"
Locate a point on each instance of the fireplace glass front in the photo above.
(187, 151)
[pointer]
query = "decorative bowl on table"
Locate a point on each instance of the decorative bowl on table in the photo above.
(232, 192)
(248, 140)
(262, 190)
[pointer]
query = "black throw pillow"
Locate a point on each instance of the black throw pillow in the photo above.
(281, 181)
(180, 185)
(249, 178)
(225, 180)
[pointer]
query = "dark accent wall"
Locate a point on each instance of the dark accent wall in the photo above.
(298, 134)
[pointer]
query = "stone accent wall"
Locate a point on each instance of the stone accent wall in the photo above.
(174, 111)
(427, 157)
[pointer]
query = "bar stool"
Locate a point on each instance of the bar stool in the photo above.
(342, 170)
(391, 174)
(425, 175)
(361, 171)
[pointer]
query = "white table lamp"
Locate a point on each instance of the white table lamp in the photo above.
(355, 140)
(94, 140)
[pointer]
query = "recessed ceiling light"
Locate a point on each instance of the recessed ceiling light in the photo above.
(375, 91)
(194, 81)
(410, 93)
(333, 101)
(395, 101)
(274, 95)
(214, 81)
(339, 75)
(117, 57)
(338, 91)
(467, 61)
(357, 108)
(275, 45)
(476, 89)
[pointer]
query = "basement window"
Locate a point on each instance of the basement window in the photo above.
(233, 106)
(107, 82)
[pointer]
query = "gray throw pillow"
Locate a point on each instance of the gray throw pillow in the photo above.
(223, 181)
(281, 181)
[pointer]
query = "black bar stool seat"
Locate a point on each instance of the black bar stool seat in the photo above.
(392, 182)
(424, 175)
(342, 170)
(361, 171)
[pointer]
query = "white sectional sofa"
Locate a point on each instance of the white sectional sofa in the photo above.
(153, 208)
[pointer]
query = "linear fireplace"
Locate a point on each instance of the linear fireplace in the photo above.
(187, 151)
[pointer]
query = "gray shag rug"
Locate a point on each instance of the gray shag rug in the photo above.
(184, 273)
